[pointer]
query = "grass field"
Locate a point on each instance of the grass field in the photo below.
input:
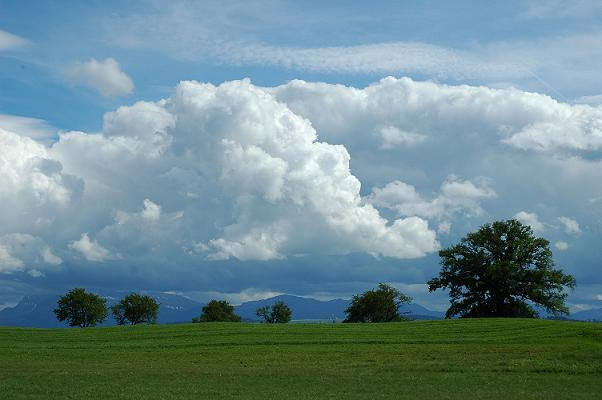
(461, 359)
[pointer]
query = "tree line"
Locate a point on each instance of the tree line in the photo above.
(501, 270)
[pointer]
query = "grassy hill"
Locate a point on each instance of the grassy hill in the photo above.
(467, 359)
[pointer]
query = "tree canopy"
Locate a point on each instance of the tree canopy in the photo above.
(279, 313)
(136, 309)
(501, 270)
(377, 305)
(218, 311)
(80, 308)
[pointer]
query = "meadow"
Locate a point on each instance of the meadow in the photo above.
(451, 359)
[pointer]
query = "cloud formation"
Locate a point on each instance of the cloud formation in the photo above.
(8, 41)
(524, 120)
(105, 76)
(34, 128)
(236, 180)
(530, 219)
(232, 173)
(570, 225)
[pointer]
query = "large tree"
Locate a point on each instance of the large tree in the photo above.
(279, 313)
(136, 309)
(502, 270)
(80, 308)
(377, 305)
(218, 311)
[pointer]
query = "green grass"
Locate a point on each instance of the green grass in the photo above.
(461, 359)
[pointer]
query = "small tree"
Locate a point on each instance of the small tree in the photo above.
(279, 313)
(218, 311)
(498, 270)
(377, 305)
(136, 309)
(80, 308)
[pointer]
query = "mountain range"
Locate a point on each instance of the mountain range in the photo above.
(36, 311)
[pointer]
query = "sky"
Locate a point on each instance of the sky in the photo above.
(240, 150)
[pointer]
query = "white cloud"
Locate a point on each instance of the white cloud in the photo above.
(570, 225)
(455, 196)
(35, 273)
(33, 185)
(393, 137)
(8, 41)
(530, 219)
(49, 257)
(235, 170)
(248, 174)
(523, 120)
(561, 245)
(7, 261)
(34, 128)
(151, 210)
(90, 249)
(105, 76)
(199, 32)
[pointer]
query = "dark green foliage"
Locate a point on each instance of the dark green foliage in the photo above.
(377, 305)
(218, 311)
(136, 309)
(498, 270)
(279, 313)
(80, 308)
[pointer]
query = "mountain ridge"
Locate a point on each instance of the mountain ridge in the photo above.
(36, 311)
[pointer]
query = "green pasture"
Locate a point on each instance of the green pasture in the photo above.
(452, 359)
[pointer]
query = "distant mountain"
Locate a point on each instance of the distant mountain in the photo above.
(302, 307)
(311, 309)
(36, 311)
(588, 315)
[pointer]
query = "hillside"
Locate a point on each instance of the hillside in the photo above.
(451, 359)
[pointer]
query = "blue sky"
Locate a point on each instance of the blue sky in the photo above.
(319, 175)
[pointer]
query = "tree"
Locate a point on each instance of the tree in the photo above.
(80, 308)
(136, 309)
(380, 305)
(279, 313)
(500, 271)
(218, 311)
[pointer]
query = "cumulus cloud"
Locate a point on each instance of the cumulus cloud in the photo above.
(286, 175)
(530, 219)
(35, 128)
(8, 41)
(244, 177)
(402, 112)
(49, 257)
(25, 252)
(561, 245)
(570, 225)
(455, 196)
(105, 76)
(90, 249)
(34, 189)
